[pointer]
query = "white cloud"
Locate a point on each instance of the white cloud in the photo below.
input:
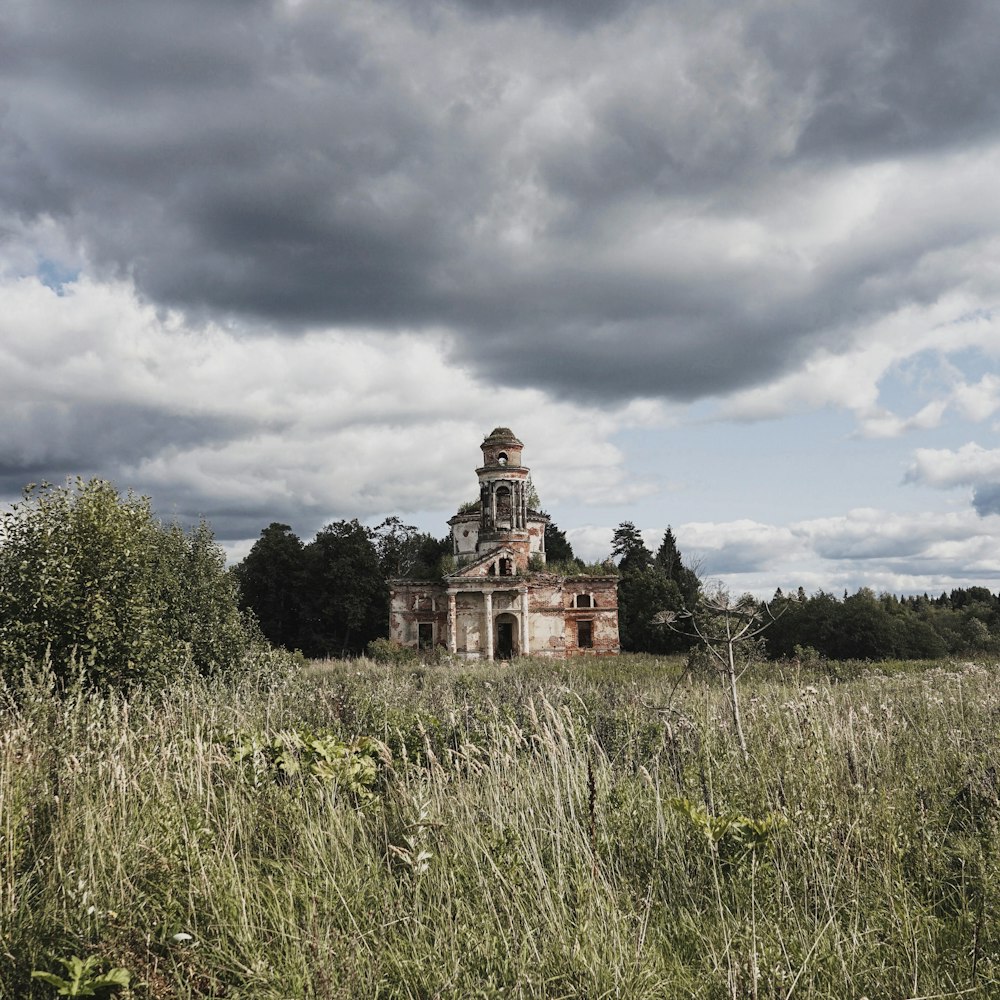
(850, 377)
(947, 258)
(735, 546)
(970, 465)
(591, 542)
(980, 400)
(883, 424)
(967, 466)
(332, 424)
(925, 551)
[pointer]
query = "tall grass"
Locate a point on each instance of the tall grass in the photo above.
(539, 830)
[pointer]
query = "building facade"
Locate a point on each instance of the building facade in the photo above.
(500, 602)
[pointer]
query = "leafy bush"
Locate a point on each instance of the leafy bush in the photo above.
(390, 651)
(92, 582)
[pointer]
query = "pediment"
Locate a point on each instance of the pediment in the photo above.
(480, 568)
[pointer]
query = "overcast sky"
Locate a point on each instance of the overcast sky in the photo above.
(731, 267)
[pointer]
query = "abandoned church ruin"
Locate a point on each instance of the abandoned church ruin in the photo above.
(499, 602)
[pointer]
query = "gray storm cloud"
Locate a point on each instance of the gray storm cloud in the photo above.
(986, 499)
(571, 182)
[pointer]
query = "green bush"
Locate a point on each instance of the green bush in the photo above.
(91, 582)
(390, 651)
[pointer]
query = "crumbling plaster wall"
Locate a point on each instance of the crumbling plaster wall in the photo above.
(552, 618)
(412, 603)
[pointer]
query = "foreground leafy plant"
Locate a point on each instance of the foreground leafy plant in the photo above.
(298, 753)
(84, 980)
(730, 830)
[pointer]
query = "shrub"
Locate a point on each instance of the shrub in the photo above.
(389, 651)
(92, 582)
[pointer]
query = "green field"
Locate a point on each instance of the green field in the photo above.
(584, 829)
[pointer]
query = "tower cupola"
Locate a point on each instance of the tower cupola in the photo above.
(501, 516)
(503, 494)
(501, 449)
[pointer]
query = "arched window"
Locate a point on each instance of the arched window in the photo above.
(584, 601)
(503, 506)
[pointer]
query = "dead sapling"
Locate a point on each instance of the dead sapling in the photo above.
(730, 631)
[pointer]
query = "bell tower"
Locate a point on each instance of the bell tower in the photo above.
(503, 495)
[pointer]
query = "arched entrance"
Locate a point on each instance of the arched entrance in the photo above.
(508, 634)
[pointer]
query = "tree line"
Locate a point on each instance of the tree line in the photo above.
(91, 581)
(869, 626)
(863, 625)
(330, 596)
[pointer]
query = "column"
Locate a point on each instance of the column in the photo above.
(488, 600)
(525, 631)
(452, 624)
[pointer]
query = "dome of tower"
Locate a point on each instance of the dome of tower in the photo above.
(504, 434)
(501, 449)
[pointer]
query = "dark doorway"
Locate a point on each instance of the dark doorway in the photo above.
(585, 635)
(505, 640)
(425, 635)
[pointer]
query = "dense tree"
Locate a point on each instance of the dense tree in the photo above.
(93, 581)
(430, 556)
(917, 640)
(271, 583)
(330, 596)
(863, 626)
(648, 585)
(864, 630)
(345, 597)
(964, 597)
(642, 593)
(628, 547)
(394, 544)
(668, 558)
(557, 546)
(405, 552)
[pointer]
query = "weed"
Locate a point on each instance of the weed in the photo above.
(84, 980)
(291, 754)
